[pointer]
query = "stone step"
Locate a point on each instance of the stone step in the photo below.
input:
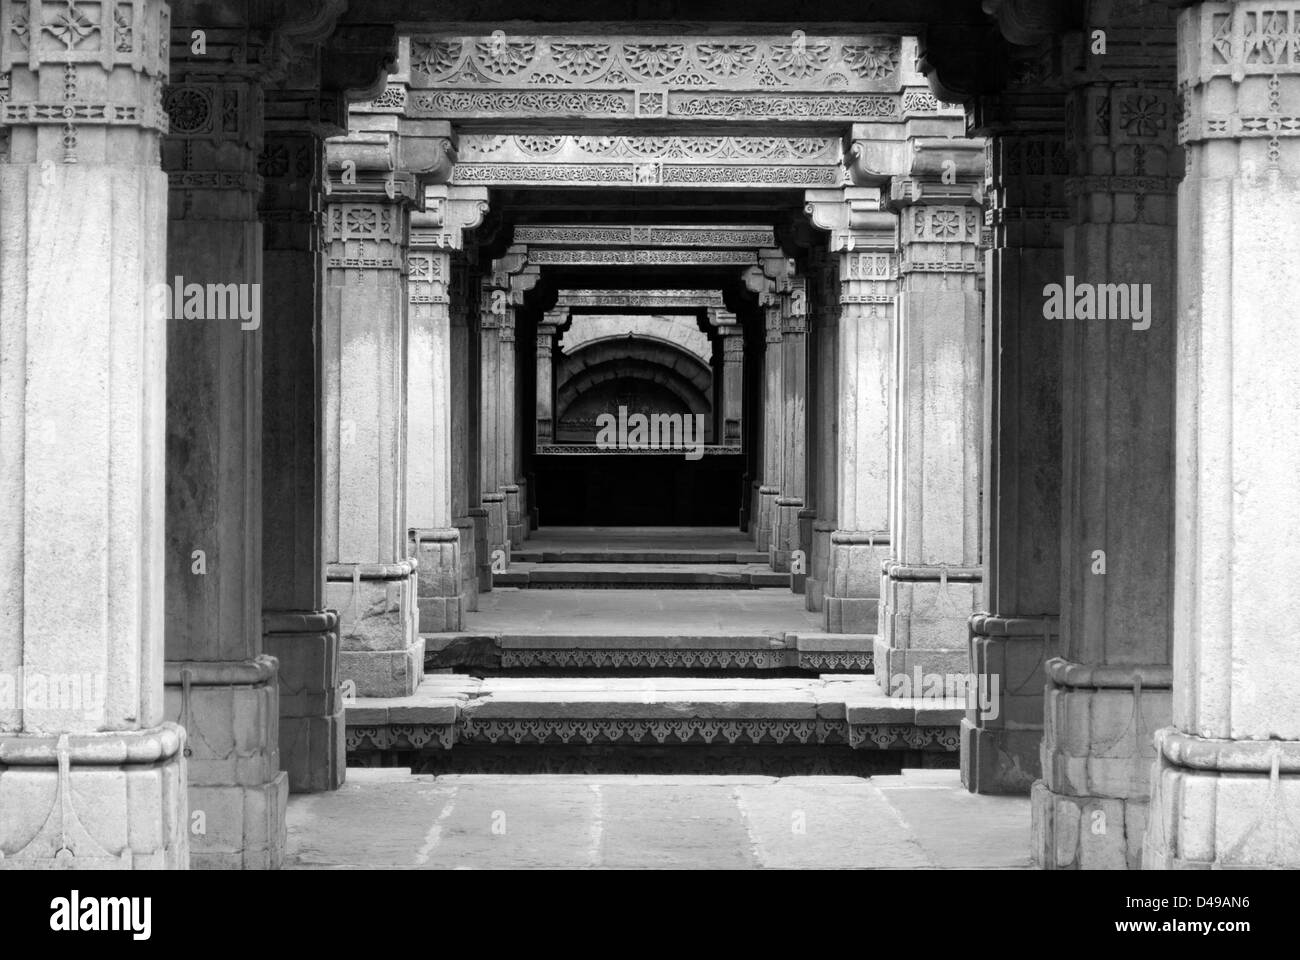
(700, 650)
(653, 711)
(601, 555)
(654, 575)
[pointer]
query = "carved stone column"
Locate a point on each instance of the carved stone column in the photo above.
(772, 404)
(931, 583)
(493, 313)
(1018, 630)
(298, 631)
(823, 442)
(371, 579)
(1110, 689)
(463, 466)
(731, 372)
(546, 331)
(220, 685)
(1225, 791)
(93, 772)
(865, 238)
(793, 425)
(436, 542)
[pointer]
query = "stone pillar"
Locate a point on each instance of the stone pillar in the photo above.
(492, 314)
(1019, 627)
(1224, 786)
(823, 450)
(435, 541)
(475, 483)
(463, 469)
(92, 774)
(868, 278)
(297, 630)
(220, 685)
(370, 578)
(931, 583)
(546, 332)
(793, 412)
(772, 405)
(732, 374)
(1110, 689)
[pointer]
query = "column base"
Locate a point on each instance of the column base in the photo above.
(1099, 724)
(312, 731)
(482, 554)
(497, 533)
(237, 792)
(438, 594)
(785, 532)
(514, 514)
(468, 562)
(1223, 804)
(924, 620)
(819, 556)
(1001, 753)
(764, 508)
(381, 653)
(100, 801)
(853, 592)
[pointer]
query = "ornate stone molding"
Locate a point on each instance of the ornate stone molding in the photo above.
(448, 212)
(568, 148)
(656, 63)
(684, 258)
(643, 236)
(663, 299)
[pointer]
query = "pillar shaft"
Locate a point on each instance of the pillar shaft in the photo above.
(492, 315)
(508, 428)
(931, 583)
(436, 542)
(370, 576)
(82, 500)
(824, 427)
(868, 278)
(1018, 629)
(297, 630)
(1225, 790)
(793, 427)
(464, 486)
(773, 406)
(1109, 690)
(220, 686)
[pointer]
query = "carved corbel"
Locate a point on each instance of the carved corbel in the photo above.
(941, 170)
(851, 215)
(1027, 22)
(450, 211)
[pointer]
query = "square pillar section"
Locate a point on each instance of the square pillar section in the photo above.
(371, 578)
(1109, 691)
(865, 240)
(92, 773)
(1226, 780)
(932, 581)
(1018, 630)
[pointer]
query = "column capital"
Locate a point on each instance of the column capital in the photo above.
(385, 156)
(448, 212)
(940, 170)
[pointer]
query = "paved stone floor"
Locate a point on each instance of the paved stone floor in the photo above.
(679, 613)
(386, 818)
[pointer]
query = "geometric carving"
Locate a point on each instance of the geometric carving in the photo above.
(668, 236)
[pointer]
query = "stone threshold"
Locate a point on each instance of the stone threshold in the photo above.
(448, 709)
(641, 556)
(814, 652)
(632, 575)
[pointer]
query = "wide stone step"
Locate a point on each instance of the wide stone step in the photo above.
(652, 711)
(643, 576)
(527, 554)
(698, 651)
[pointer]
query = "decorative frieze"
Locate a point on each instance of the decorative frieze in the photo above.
(690, 299)
(686, 258)
(645, 236)
(532, 147)
(648, 173)
(793, 61)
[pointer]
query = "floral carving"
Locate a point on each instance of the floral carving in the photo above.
(580, 60)
(726, 59)
(800, 60)
(189, 109)
(70, 26)
(651, 61)
(1143, 115)
(871, 61)
(504, 58)
(432, 57)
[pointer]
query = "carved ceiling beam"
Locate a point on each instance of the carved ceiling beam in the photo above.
(633, 235)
